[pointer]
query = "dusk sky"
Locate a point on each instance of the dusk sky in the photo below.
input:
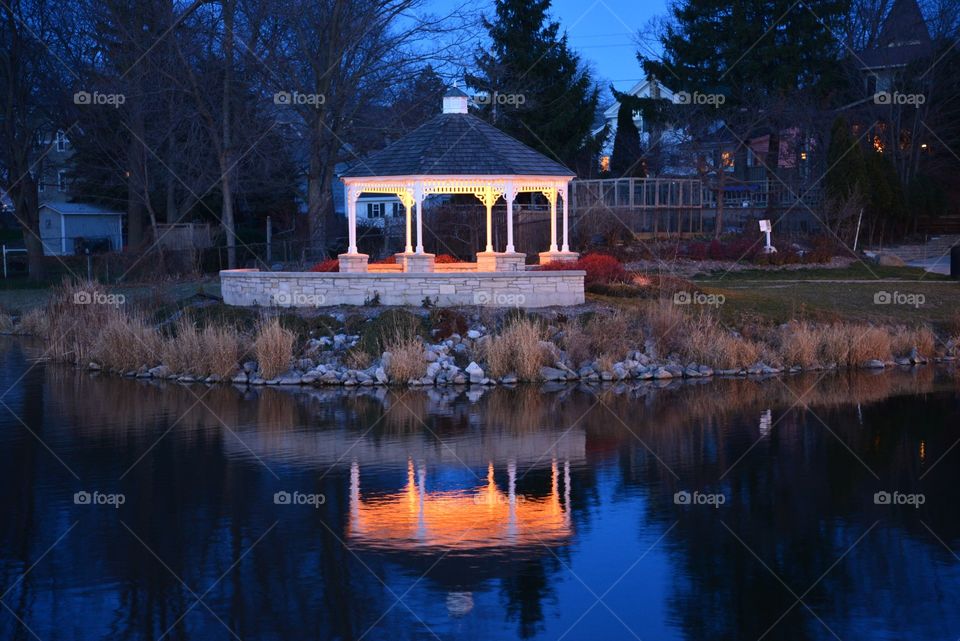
(602, 31)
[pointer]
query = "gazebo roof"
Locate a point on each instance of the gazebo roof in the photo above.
(455, 144)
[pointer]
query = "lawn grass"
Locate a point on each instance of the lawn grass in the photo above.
(856, 271)
(821, 294)
(21, 298)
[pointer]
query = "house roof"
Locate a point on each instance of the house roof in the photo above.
(904, 25)
(903, 39)
(457, 144)
(79, 209)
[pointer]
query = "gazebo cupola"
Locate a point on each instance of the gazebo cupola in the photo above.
(457, 153)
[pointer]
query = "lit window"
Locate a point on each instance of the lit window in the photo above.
(727, 158)
(878, 144)
(604, 163)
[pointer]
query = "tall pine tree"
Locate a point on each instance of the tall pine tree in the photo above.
(627, 159)
(754, 52)
(542, 94)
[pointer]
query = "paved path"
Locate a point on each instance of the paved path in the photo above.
(935, 265)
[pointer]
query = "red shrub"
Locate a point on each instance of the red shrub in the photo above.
(697, 251)
(446, 258)
(329, 265)
(600, 268)
(389, 260)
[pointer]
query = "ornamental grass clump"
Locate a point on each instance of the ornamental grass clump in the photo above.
(125, 342)
(516, 350)
(182, 352)
(273, 348)
(608, 337)
(222, 349)
(905, 339)
(75, 314)
(407, 357)
(798, 345)
(707, 343)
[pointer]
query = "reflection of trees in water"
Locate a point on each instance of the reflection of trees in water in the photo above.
(799, 499)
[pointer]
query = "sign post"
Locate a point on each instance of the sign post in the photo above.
(767, 228)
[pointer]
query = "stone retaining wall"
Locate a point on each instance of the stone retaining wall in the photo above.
(309, 289)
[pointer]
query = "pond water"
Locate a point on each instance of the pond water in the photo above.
(729, 509)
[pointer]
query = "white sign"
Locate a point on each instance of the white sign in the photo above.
(765, 226)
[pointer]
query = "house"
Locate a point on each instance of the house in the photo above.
(53, 181)
(71, 228)
(904, 39)
(649, 135)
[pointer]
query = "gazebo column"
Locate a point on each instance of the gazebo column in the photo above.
(555, 255)
(407, 199)
(352, 261)
(509, 196)
(418, 195)
(488, 203)
(489, 260)
(418, 261)
(551, 195)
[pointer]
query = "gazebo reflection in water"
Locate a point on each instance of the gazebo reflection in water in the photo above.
(480, 517)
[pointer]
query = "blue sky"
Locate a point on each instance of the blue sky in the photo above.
(602, 31)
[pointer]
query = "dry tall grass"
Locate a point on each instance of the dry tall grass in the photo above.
(34, 322)
(905, 339)
(182, 351)
(126, 342)
(669, 325)
(853, 345)
(516, 350)
(407, 359)
(709, 344)
(608, 337)
(222, 350)
(74, 322)
(798, 344)
(273, 348)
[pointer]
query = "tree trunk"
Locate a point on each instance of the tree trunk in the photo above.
(27, 208)
(226, 155)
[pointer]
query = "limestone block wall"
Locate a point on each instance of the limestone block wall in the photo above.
(527, 289)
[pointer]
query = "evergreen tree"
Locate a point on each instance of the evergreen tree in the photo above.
(753, 52)
(540, 91)
(627, 159)
(845, 163)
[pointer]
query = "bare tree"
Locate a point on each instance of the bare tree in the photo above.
(336, 59)
(35, 77)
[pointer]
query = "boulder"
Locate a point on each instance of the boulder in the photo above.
(873, 363)
(889, 260)
(475, 372)
(552, 374)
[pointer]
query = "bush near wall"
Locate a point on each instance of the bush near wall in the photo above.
(600, 268)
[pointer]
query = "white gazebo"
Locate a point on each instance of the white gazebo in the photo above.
(457, 153)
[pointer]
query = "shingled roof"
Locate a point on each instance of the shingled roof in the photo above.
(903, 39)
(454, 144)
